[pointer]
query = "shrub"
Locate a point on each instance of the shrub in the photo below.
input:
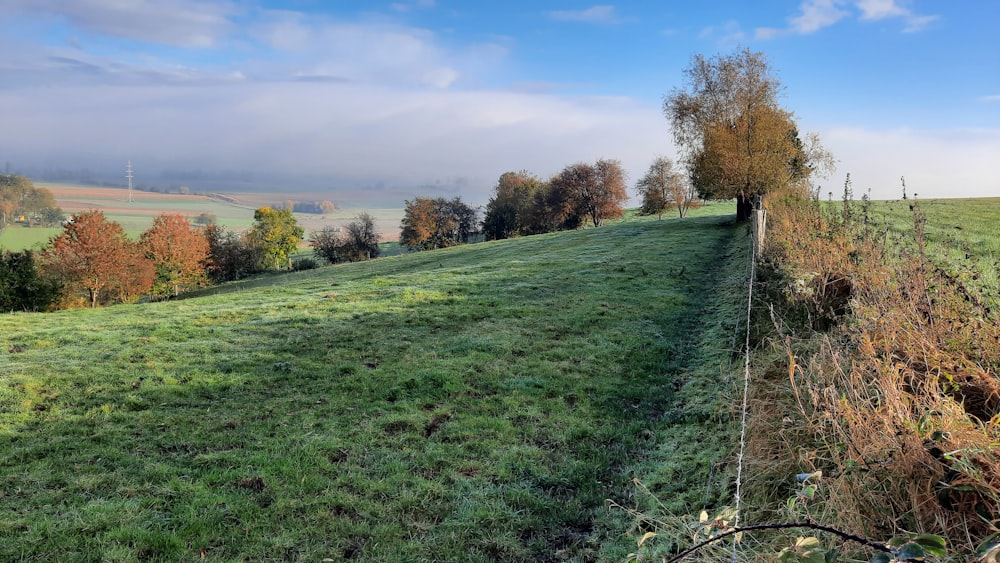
(356, 242)
(300, 264)
(22, 286)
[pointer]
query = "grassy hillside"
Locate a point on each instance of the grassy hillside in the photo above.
(478, 403)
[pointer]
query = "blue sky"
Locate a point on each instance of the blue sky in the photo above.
(412, 95)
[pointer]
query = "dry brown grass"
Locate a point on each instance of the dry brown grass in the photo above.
(884, 376)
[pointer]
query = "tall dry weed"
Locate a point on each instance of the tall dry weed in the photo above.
(884, 375)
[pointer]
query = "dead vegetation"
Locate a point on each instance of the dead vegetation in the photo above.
(883, 375)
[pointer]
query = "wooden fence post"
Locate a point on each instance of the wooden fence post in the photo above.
(759, 225)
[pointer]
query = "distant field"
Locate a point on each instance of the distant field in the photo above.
(479, 403)
(233, 211)
(963, 234)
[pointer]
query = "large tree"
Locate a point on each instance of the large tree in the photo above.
(277, 234)
(179, 252)
(430, 223)
(93, 255)
(737, 141)
(595, 192)
(508, 213)
(663, 188)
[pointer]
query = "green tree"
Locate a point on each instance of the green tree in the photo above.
(277, 234)
(737, 141)
(23, 287)
(508, 212)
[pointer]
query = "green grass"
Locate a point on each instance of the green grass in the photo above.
(18, 237)
(478, 403)
(962, 235)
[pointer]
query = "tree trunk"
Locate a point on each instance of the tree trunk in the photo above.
(744, 208)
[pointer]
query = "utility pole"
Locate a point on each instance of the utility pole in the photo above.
(128, 174)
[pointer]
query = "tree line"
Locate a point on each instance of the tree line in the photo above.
(522, 204)
(92, 262)
(21, 201)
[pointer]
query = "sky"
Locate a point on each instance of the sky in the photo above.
(408, 97)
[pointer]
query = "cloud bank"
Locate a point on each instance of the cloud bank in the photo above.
(814, 15)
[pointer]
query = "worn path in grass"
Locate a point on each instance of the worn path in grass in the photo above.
(479, 403)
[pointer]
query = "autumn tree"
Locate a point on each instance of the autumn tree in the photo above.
(609, 192)
(94, 256)
(356, 242)
(19, 196)
(663, 188)
(595, 192)
(553, 208)
(277, 234)
(509, 211)
(430, 223)
(179, 252)
(737, 141)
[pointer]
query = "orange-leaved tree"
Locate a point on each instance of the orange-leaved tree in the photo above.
(595, 192)
(179, 252)
(94, 256)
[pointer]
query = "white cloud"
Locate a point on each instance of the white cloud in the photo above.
(880, 9)
(874, 10)
(918, 23)
(936, 163)
(727, 35)
(381, 52)
(766, 33)
(815, 15)
(990, 98)
(605, 14)
(185, 23)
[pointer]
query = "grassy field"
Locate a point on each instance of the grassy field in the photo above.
(963, 235)
(479, 403)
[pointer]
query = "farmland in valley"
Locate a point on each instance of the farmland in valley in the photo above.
(232, 210)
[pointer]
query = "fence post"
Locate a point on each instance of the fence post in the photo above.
(759, 225)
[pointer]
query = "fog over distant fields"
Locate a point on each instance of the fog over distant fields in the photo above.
(348, 135)
(423, 97)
